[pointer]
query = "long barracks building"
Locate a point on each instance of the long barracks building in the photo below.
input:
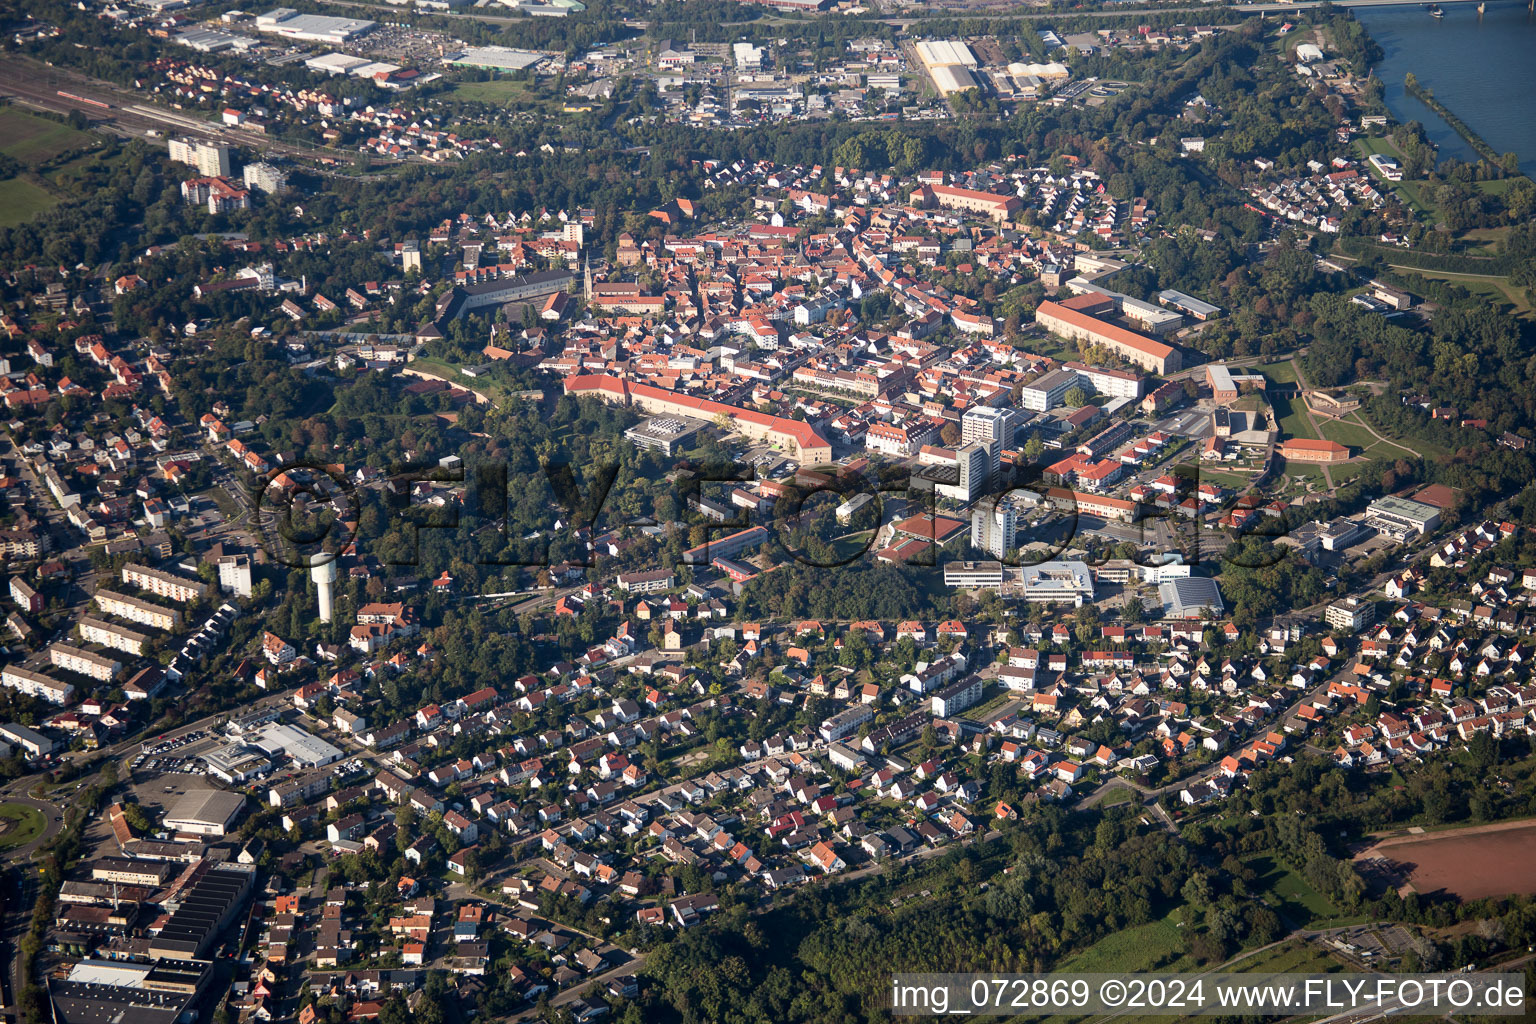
(793, 435)
(1079, 318)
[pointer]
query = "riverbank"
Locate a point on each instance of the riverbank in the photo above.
(1479, 146)
(1478, 66)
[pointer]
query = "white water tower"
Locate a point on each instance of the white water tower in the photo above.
(324, 575)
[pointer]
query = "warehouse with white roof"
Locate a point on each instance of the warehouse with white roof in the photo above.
(949, 64)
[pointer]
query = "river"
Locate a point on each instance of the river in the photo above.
(1482, 67)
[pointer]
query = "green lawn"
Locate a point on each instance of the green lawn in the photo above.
(1383, 450)
(1154, 946)
(1117, 796)
(500, 92)
(35, 140)
(24, 823)
(20, 201)
(1385, 146)
(1303, 471)
(1297, 900)
(1278, 373)
(1292, 415)
(1347, 431)
(1494, 288)
(1235, 481)
(1346, 472)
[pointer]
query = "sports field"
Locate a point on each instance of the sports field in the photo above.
(1472, 863)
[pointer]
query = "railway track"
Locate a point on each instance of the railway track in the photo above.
(52, 89)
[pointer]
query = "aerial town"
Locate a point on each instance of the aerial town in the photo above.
(562, 513)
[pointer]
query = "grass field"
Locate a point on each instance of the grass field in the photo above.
(24, 823)
(1294, 957)
(1292, 415)
(1385, 450)
(1117, 796)
(1297, 900)
(1495, 289)
(501, 92)
(1278, 373)
(1303, 471)
(1236, 481)
(1157, 945)
(1346, 472)
(20, 201)
(1347, 431)
(35, 140)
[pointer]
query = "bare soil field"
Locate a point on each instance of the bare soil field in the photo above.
(1485, 860)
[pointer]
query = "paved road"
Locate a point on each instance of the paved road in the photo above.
(16, 793)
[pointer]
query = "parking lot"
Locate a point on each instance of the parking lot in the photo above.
(174, 755)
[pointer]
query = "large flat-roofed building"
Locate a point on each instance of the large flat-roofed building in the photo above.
(36, 684)
(990, 423)
(1190, 598)
(97, 991)
(994, 526)
(1113, 383)
(131, 872)
(1401, 518)
(1079, 318)
(647, 582)
(1057, 582)
(1048, 391)
(950, 64)
(1350, 615)
(845, 722)
(164, 584)
(1187, 304)
(236, 763)
(497, 58)
(306, 749)
(312, 28)
(134, 609)
(206, 908)
(956, 697)
(666, 434)
(110, 634)
(205, 812)
(83, 662)
(973, 574)
(1305, 449)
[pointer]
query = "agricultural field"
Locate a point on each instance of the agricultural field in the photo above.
(34, 140)
(36, 143)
